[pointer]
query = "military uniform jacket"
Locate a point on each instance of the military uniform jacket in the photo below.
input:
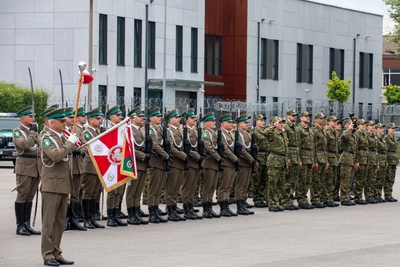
(56, 175)
(89, 134)
(278, 148)
(245, 140)
(175, 136)
(139, 141)
(332, 146)
(194, 156)
(349, 146)
(362, 148)
(77, 162)
(306, 144)
(381, 150)
(293, 142)
(210, 145)
(228, 141)
(372, 149)
(320, 153)
(262, 143)
(391, 144)
(157, 160)
(25, 142)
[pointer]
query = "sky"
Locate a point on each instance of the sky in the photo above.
(372, 6)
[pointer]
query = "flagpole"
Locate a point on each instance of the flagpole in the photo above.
(82, 66)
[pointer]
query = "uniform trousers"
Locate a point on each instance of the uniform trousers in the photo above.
(305, 181)
(189, 185)
(242, 183)
(210, 180)
(76, 187)
(172, 186)
(346, 174)
(227, 179)
(389, 181)
(135, 189)
(114, 197)
(360, 181)
(26, 188)
(91, 186)
(156, 185)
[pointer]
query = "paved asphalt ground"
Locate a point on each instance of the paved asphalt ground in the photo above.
(343, 236)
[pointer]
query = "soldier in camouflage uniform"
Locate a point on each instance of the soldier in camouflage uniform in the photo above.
(146, 189)
(306, 159)
(347, 162)
(277, 162)
(373, 166)
(392, 160)
(332, 138)
(259, 184)
(361, 163)
(382, 161)
(321, 163)
(336, 178)
(292, 176)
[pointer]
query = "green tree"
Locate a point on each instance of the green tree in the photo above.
(394, 14)
(338, 90)
(392, 94)
(14, 98)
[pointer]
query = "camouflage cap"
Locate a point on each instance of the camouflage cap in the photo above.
(370, 123)
(291, 112)
(332, 118)
(361, 121)
(379, 125)
(243, 117)
(276, 119)
(260, 117)
(304, 113)
(319, 115)
(346, 121)
(209, 117)
(113, 110)
(391, 125)
(226, 117)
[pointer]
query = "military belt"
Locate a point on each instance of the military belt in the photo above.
(278, 154)
(350, 152)
(382, 152)
(309, 149)
(27, 156)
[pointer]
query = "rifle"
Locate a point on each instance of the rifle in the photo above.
(167, 147)
(237, 149)
(187, 147)
(220, 151)
(148, 146)
(200, 142)
(253, 147)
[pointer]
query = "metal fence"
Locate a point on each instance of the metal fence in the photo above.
(382, 112)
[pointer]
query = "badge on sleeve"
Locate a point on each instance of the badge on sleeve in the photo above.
(150, 132)
(205, 134)
(46, 142)
(17, 133)
(86, 136)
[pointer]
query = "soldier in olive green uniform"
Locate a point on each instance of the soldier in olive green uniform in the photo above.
(336, 180)
(382, 161)
(373, 166)
(259, 184)
(332, 138)
(321, 163)
(211, 165)
(90, 181)
(26, 168)
(277, 163)
(243, 177)
(361, 163)
(306, 159)
(55, 187)
(292, 177)
(347, 162)
(392, 160)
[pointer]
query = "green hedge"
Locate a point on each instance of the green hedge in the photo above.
(15, 97)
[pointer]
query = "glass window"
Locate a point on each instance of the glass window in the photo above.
(138, 43)
(121, 41)
(102, 39)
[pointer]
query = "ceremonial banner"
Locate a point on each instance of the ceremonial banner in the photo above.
(106, 152)
(128, 164)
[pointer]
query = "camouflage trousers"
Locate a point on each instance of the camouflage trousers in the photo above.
(199, 190)
(346, 174)
(380, 181)
(370, 183)
(305, 181)
(318, 183)
(336, 182)
(258, 184)
(389, 181)
(360, 181)
(289, 185)
(328, 187)
(146, 188)
(276, 176)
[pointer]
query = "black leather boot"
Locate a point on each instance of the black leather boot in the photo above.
(142, 213)
(19, 215)
(27, 219)
(121, 215)
(223, 211)
(137, 215)
(194, 212)
(110, 218)
(87, 222)
(158, 215)
(171, 214)
(160, 212)
(175, 207)
(66, 223)
(188, 214)
(229, 210)
(93, 211)
(132, 220)
(206, 213)
(241, 209)
(153, 217)
(117, 218)
(210, 210)
(73, 219)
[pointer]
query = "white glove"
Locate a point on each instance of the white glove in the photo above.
(73, 138)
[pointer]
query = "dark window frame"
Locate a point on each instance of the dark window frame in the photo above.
(179, 48)
(103, 22)
(120, 41)
(305, 63)
(213, 55)
(151, 45)
(194, 47)
(137, 60)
